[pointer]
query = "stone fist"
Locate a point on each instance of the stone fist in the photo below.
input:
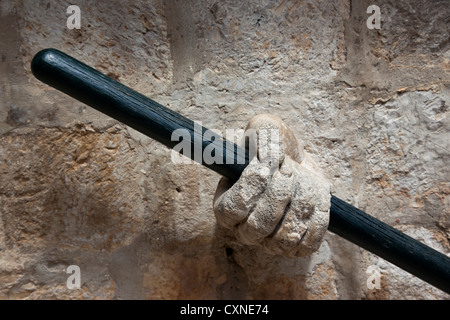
(281, 201)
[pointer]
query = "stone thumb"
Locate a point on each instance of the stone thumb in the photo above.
(270, 140)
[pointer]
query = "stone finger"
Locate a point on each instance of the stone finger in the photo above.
(267, 213)
(232, 203)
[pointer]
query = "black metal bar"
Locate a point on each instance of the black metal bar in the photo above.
(158, 122)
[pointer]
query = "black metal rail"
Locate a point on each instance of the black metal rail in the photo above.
(93, 88)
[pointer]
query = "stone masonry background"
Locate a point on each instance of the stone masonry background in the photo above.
(79, 188)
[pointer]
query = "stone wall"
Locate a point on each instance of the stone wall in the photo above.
(79, 188)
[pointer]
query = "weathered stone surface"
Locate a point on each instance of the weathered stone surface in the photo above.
(79, 188)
